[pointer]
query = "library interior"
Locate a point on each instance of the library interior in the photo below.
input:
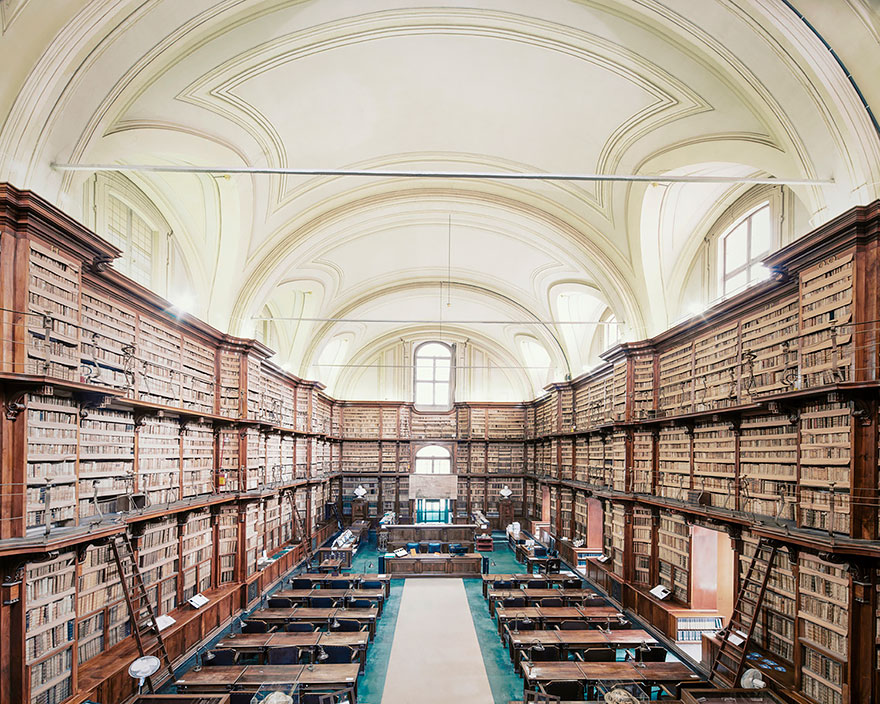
(481, 352)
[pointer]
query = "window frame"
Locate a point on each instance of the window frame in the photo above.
(107, 185)
(781, 202)
(440, 408)
(751, 260)
(433, 460)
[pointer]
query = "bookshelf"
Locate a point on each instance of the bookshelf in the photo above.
(50, 619)
(52, 437)
(673, 556)
(618, 391)
(643, 462)
(598, 474)
(615, 460)
(159, 360)
(825, 429)
(643, 386)
(197, 366)
(108, 337)
(158, 459)
(823, 636)
(716, 369)
(714, 465)
(676, 380)
(52, 341)
(775, 628)
(106, 460)
(768, 465)
(227, 543)
(769, 349)
(642, 546)
(618, 538)
(197, 458)
(674, 463)
(825, 317)
(254, 387)
(102, 615)
(159, 563)
(229, 383)
(196, 553)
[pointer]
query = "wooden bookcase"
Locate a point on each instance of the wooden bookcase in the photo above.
(120, 416)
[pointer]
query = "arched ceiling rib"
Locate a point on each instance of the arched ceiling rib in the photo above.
(644, 87)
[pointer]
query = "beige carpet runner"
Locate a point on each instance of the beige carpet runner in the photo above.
(435, 656)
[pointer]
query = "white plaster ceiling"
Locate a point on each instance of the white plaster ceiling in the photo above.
(612, 86)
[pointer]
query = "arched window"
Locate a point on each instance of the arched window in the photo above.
(433, 459)
(742, 247)
(433, 378)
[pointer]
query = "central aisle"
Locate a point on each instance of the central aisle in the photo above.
(435, 656)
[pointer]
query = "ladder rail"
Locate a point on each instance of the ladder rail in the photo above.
(727, 649)
(300, 527)
(140, 594)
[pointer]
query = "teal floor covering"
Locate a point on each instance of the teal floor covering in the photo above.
(505, 684)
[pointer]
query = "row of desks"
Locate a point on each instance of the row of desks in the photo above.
(544, 615)
(576, 640)
(320, 580)
(250, 678)
(570, 597)
(519, 580)
(261, 643)
(318, 616)
(301, 596)
(648, 673)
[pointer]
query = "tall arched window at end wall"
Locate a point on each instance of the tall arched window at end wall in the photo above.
(433, 376)
(433, 459)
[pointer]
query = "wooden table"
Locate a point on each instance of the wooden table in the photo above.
(301, 596)
(576, 640)
(321, 580)
(543, 564)
(520, 579)
(320, 616)
(330, 566)
(570, 597)
(649, 673)
(344, 555)
(554, 614)
(249, 678)
(261, 643)
(435, 565)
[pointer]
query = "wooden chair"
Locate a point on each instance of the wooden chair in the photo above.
(279, 602)
(339, 654)
(596, 655)
(255, 626)
(300, 627)
(571, 626)
(537, 696)
(653, 653)
(348, 626)
(322, 602)
(221, 656)
(565, 690)
(286, 655)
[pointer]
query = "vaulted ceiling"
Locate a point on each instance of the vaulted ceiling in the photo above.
(732, 87)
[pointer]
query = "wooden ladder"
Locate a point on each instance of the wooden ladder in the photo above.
(301, 532)
(140, 610)
(731, 657)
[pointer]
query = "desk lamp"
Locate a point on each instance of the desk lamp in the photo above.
(321, 656)
(142, 668)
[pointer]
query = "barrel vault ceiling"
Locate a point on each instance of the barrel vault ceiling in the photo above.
(735, 87)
